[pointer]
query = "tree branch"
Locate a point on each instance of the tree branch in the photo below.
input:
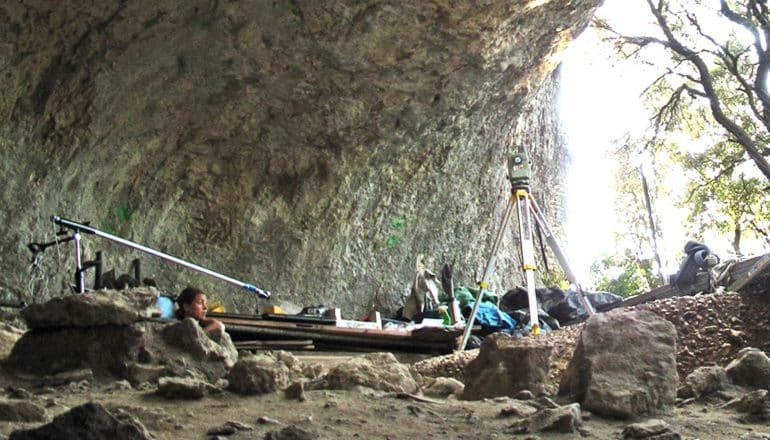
(756, 10)
(706, 82)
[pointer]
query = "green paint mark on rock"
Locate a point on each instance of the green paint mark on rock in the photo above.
(392, 241)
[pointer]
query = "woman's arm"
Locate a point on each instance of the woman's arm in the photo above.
(211, 325)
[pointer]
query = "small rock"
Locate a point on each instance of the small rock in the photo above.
(18, 393)
(524, 395)
(755, 402)
(265, 420)
(444, 387)
(546, 402)
(750, 368)
(222, 430)
(121, 385)
(754, 436)
(20, 411)
(518, 409)
(706, 380)
(184, 388)
(240, 426)
(291, 433)
(649, 428)
(565, 419)
(295, 391)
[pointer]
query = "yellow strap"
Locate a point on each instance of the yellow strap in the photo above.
(535, 330)
(483, 284)
(528, 267)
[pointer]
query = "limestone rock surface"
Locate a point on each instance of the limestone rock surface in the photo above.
(138, 351)
(116, 307)
(624, 365)
(316, 149)
(378, 371)
(506, 366)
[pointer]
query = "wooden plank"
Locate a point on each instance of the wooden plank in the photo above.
(319, 328)
(643, 297)
(286, 344)
(745, 266)
(756, 270)
(348, 339)
(375, 324)
(268, 343)
(743, 272)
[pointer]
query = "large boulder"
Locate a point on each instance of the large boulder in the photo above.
(188, 336)
(114, 307)
(704, 381)
(263, 373)
(379, 371)
(105, 349)
(751, 368)
(624, 365)
(131, 347)
(507, 365)
(20, 411)
(90, 421)
(9, 335)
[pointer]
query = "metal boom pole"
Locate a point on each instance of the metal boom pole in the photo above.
(83, 228)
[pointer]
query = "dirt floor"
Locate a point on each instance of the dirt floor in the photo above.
(374, 415)
(358, 414)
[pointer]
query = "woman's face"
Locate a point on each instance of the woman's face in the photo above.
(197, 308)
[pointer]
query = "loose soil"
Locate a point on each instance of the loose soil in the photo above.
(366, 414)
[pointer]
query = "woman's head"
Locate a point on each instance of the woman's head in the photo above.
(192, 304)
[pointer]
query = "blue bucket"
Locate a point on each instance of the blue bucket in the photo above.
(166, 305)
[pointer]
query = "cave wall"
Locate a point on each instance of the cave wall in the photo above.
(319, 150)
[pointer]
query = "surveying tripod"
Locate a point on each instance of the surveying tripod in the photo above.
(519, 174)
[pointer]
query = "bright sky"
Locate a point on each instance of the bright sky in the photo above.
(598, 104)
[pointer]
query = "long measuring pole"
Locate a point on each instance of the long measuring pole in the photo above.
(528, 256)
(82, 228)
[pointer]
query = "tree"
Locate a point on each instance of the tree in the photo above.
(711, 108)
(729, 72)
(746, 210)
(622, 274)
(635, 196)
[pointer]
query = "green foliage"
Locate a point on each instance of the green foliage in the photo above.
(734, 205)
(553, 277)
(622, 275)
(639, 239)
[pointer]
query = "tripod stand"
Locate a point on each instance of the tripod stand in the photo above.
(526, 209)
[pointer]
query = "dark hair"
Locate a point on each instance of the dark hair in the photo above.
(186, 297)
